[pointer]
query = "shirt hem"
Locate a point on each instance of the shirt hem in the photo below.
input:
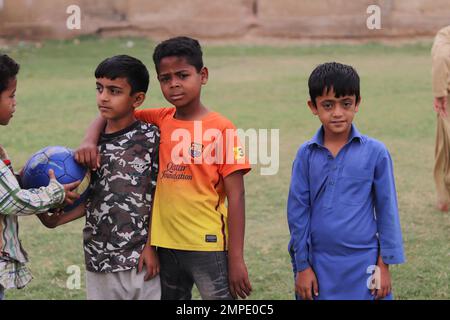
(111, 271)
(189, 248)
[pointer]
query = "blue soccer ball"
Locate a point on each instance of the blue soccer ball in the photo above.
(67, 170)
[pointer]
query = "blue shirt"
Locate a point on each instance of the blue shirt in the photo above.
(343, 205)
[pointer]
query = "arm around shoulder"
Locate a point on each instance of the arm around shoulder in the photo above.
(87, 153)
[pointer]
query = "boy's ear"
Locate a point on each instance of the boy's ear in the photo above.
(312, 107)
(204, 74)
(139, 98)
(357, 104)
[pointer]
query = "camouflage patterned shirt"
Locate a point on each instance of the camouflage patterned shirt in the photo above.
(120, 199)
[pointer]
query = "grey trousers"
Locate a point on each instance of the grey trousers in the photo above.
(123, 285)
(181, 269)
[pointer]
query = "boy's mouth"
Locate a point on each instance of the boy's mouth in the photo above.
(177, 96)
(339, 122)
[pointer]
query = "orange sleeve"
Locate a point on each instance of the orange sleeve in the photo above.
(153, 116)
(234, 158)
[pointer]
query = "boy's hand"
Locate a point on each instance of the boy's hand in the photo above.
(440, 106)
(51, 219)
(382, 278)
(70, 196)
(238, 278)
(87, 155)
(151, 261)
(306, 284)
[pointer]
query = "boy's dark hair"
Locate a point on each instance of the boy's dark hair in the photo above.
(8, 71)
(343, 79)
(183, 47)
(124, 66)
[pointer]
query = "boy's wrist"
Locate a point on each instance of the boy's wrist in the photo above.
(302, 265)
(235, 259)
(57, 192)
(235, 255)
(392, 256)
(381, 263)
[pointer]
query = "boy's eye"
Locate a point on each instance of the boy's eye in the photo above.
(98, 89)
(327, 105)
(164, 78)
(115, 91)
(183, 76)
(348, 104)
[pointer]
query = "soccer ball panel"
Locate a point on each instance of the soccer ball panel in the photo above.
(62, 161)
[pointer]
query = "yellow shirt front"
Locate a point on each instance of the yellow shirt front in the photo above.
(189, 211)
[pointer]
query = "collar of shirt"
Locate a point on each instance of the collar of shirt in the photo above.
(317, 140)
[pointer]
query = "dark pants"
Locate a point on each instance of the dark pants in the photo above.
(181, 269)
(2, 292)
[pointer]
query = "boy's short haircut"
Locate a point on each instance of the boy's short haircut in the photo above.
(124, 66)
(343, 79)
(8, 71)
(183, 47)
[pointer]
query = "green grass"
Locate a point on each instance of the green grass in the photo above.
(256, 87)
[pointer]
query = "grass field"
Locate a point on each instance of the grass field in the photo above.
(255, 87)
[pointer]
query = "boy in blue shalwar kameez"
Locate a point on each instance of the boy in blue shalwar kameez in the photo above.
(342, 205)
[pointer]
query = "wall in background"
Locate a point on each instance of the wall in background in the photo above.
(231, 19)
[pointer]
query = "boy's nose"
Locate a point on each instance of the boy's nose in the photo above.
(174, 83)
(104, 95)
(338, 112)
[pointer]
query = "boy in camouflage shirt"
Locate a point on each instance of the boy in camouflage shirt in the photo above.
(118, 208)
